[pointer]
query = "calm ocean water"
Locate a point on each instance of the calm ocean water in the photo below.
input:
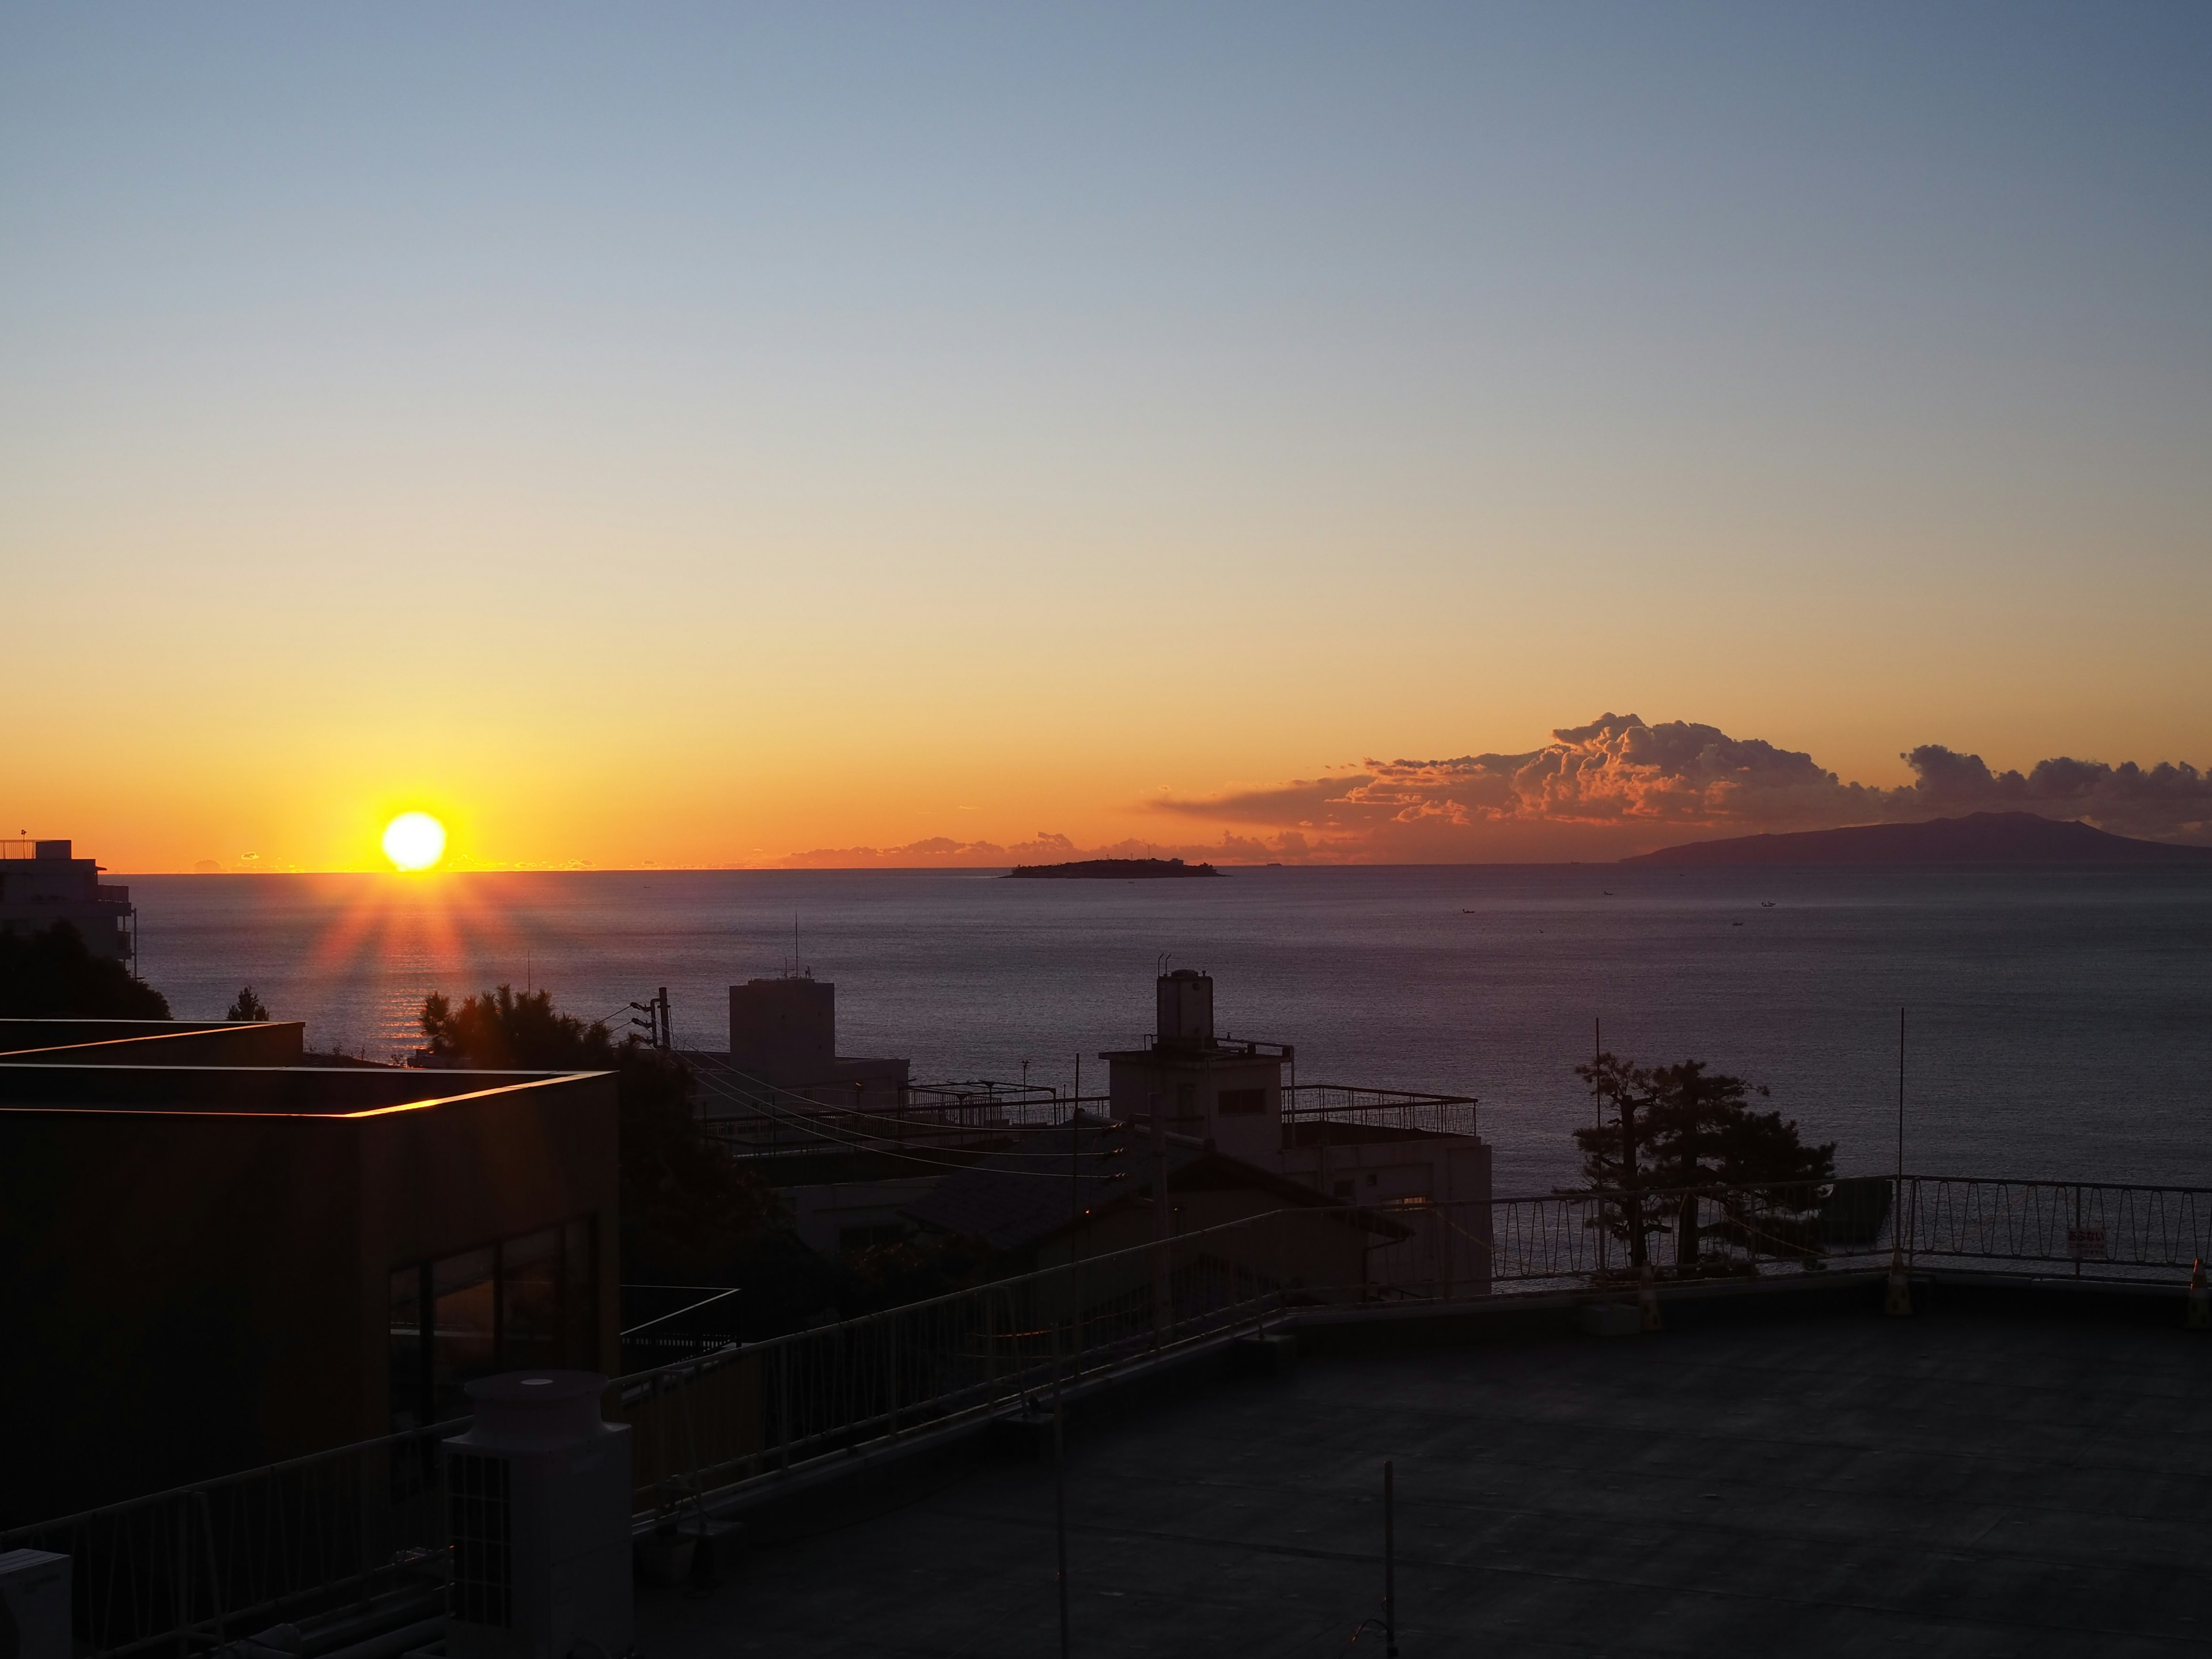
(2060, 1021)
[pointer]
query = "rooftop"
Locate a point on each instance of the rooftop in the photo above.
(1997, 1475)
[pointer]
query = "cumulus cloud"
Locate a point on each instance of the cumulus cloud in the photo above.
(2165, 802)
(1620, 785)
(1614, 787)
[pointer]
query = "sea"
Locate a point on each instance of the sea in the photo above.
(2057, 1023)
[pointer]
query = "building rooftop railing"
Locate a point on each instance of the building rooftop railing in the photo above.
(197, 1567)
(1396, 1108)
(1223, 1044)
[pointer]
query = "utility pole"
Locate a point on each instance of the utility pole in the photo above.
(1059, 1502)
(1597, 1106)
(655, 1023)
(1389, 1566)
(1900, 1300)
(1163, 1220)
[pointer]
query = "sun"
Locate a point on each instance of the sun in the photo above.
(414, 841)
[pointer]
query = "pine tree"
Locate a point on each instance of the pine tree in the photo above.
(1616, 1155)
(1692, 1135)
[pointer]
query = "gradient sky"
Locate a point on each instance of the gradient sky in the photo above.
(699, 435)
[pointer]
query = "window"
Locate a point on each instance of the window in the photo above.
(530, 1299)
(1186, 1101)
(524, 1301)
(464, 1323)
(409, 1354)
(1343, 1189)
(1235, 1101)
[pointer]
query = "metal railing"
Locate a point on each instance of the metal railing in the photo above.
(1395, 1108)
(198, 1566)
(755, 1118)
(2119, 1230)
(703, 1428)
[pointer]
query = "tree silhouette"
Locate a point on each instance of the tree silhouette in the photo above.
(1693, 1134)
(247, 1008)
(51, 974)
(688, 1207)
(1617, 1156)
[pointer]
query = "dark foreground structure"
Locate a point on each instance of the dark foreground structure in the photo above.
(1751, 1454)
(2012, 1470)
(214, 1255)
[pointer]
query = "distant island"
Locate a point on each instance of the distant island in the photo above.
(1109, 869)
(1978, 838)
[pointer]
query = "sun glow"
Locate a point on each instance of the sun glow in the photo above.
(414, 841)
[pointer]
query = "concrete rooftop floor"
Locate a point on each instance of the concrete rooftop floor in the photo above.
(1960, 1483)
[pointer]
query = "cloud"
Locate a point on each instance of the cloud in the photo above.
(2165, 802)
(1619, 785)
(1614, 787)
(940, 852)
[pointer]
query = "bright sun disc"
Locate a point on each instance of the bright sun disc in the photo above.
(414, 841)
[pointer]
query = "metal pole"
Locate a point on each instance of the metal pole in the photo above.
(1163, 1220)
(1598, 1051)
(1900, 1298)
(1059, 1502)
(1900, 1103)
(1597, 1105)
(1390, 1567)
(1075, 1215)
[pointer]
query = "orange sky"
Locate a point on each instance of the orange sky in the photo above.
(706, 439)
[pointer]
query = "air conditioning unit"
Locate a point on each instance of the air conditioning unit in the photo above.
(537, 1499)
(35, 1604)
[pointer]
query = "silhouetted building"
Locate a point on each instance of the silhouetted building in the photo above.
(40, 884)
(220, 1264)
(1231, 1096)
(1106, 1205)
(784, 1031)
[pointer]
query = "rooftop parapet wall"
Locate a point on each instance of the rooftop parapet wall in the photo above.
(18, 1035)
(261, 1042)
(201, 1284)
(300, 1091)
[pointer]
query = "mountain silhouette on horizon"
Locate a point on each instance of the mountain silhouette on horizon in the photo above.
(1978, 838)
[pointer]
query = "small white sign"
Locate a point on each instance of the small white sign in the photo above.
(2086, 1243)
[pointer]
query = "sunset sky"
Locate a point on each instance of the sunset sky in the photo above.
(732, 435)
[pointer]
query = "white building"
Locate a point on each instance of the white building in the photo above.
(41, 884)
